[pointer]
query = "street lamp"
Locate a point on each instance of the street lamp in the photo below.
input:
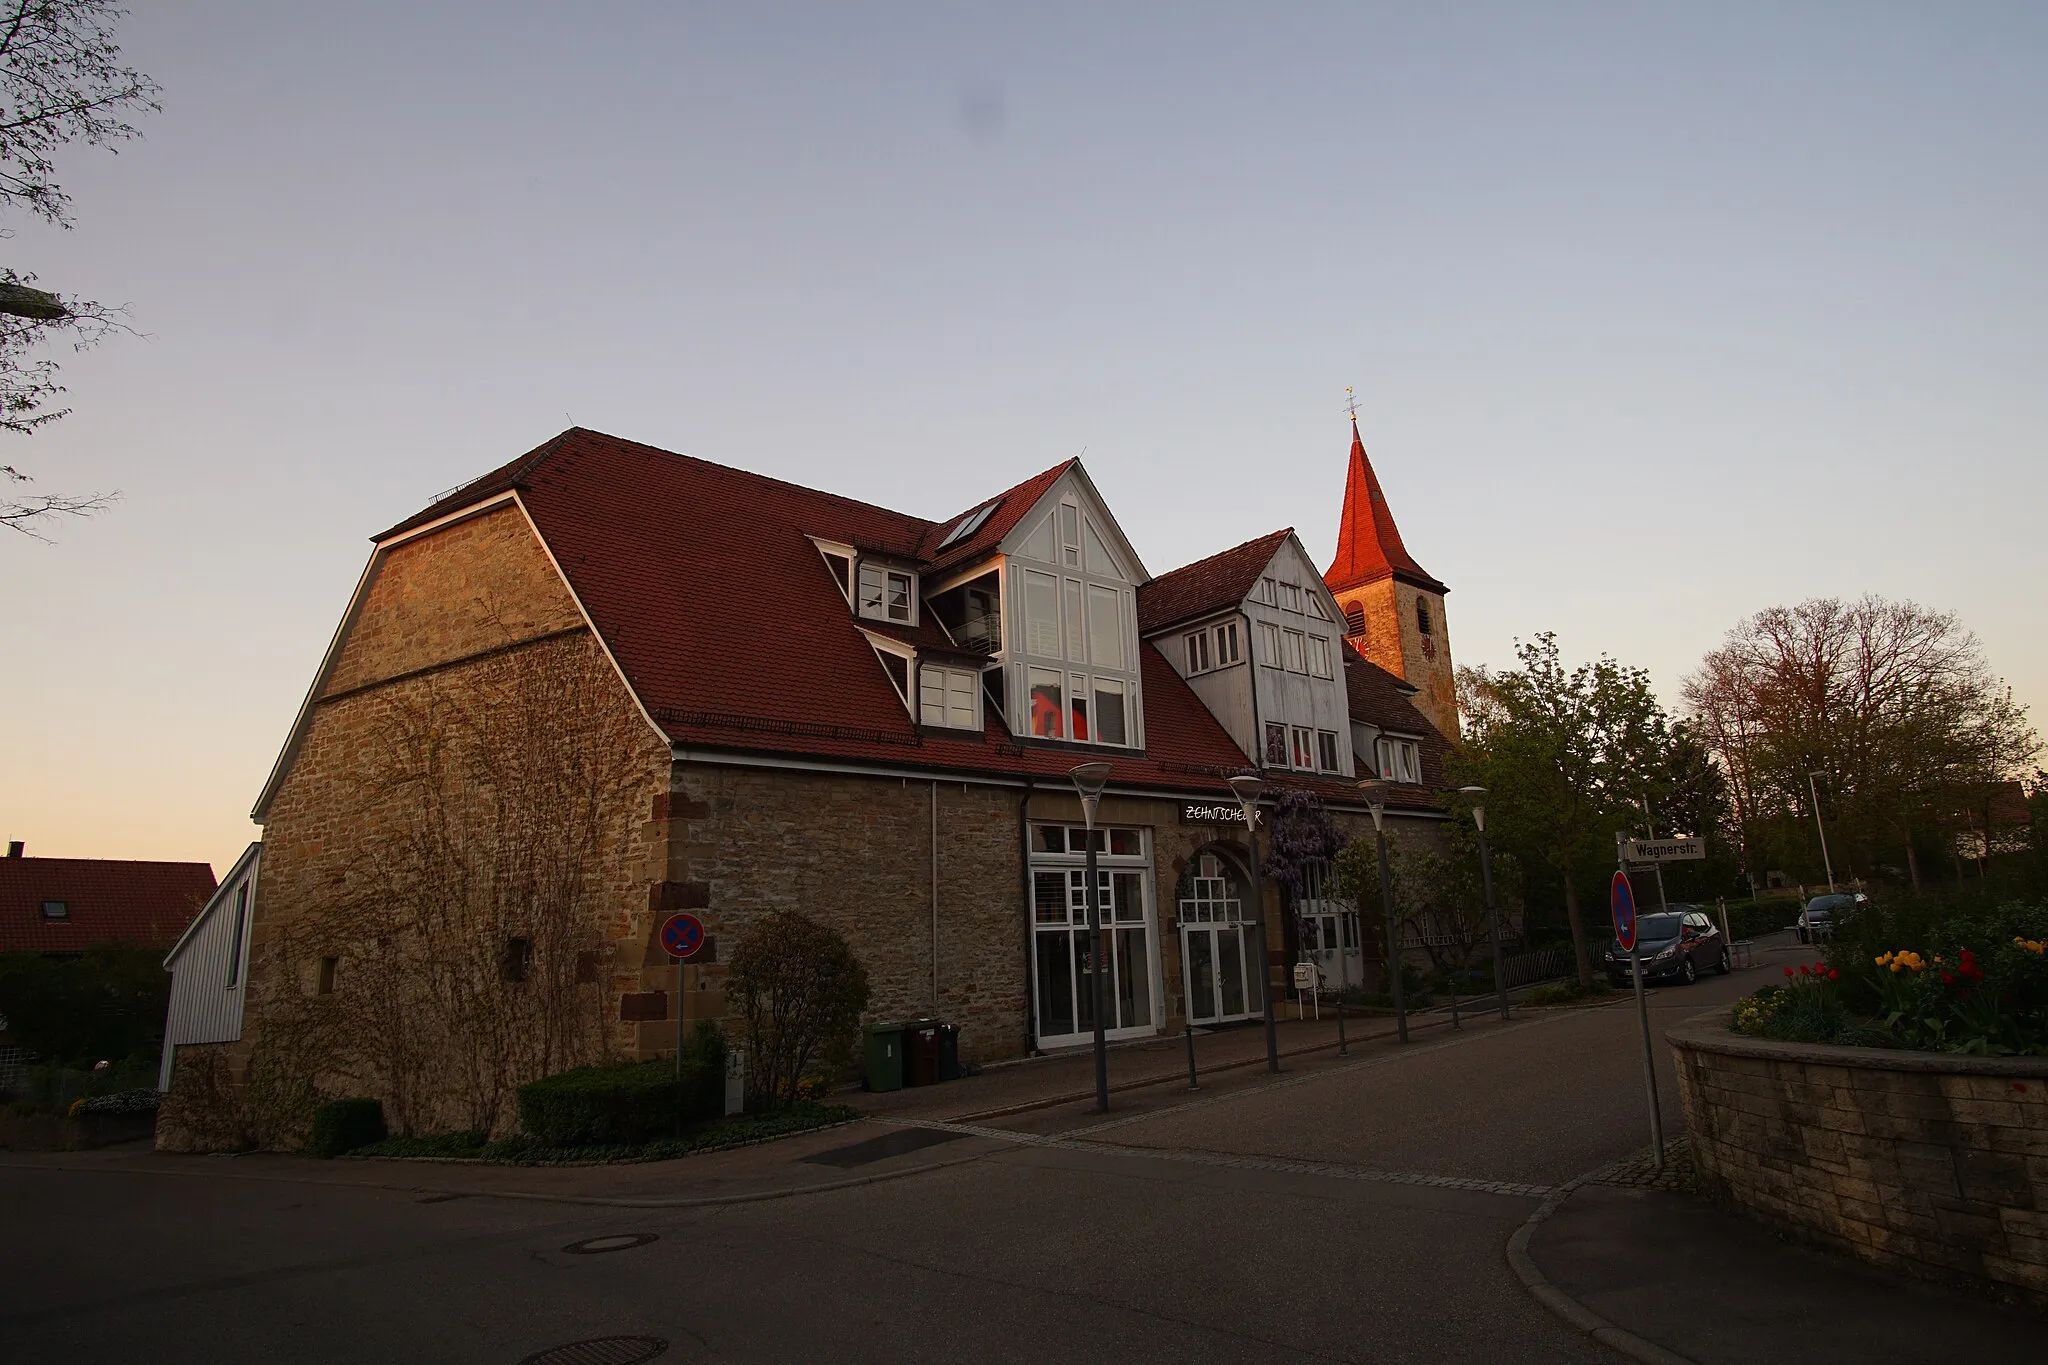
(1826, 861)
(1245, 787)
(1376, 802)
(1476, 796)
(1089, 780)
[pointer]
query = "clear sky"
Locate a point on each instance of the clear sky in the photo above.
(1658, 314)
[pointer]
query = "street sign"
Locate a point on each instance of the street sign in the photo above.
(682, 934)
(1621, 899)
(1665, 850)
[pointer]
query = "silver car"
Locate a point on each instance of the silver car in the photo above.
(1817, 920)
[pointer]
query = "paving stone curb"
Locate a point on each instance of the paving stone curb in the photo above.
(1580, 1317)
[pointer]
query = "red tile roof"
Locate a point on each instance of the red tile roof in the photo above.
(1368, 543)
(1222, 580)
(1015, 503)
(703, 582)
(106, 900)
(1379, 698)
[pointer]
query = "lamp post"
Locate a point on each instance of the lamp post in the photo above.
(1477, 797)
(1821, 829)
(1245, 788)
(1376, 802)
(1089, 780)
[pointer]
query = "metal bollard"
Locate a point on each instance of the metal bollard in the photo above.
(1192, 1083)
(1343, 1050)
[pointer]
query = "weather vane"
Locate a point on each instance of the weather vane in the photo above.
(1351, 401)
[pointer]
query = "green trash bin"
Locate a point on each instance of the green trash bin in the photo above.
(884, 1068)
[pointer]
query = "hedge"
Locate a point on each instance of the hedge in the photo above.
(597, 1106)
(344, 1125)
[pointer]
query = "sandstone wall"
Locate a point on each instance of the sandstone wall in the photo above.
(1928, 1162)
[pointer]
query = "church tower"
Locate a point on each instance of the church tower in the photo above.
(1393, 610)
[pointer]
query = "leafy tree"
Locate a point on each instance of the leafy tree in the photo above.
(61, 81)
(800, 991)
(1890, 703)
(1565, 756)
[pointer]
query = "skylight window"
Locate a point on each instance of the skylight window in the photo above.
(968, 524)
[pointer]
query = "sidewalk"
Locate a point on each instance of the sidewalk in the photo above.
(856, 1153)
(1715, 1288)
(1068, 1077)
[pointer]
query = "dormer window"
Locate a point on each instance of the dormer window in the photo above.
(886, 594)
(1400, 760)
(947, 696)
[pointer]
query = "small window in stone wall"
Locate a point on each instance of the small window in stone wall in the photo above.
(328, 967)
(586, 968)
(518, 958)
(1422, 616)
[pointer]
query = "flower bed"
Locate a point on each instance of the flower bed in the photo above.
(1976, 985)
(523, 1150)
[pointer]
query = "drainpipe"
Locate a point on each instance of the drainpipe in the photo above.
(1024, 884)
(935, 898)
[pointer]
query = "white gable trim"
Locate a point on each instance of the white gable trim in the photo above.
(1091, 499)
(251, 854)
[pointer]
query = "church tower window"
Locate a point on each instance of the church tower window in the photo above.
(1422, 616)
(1354, 619)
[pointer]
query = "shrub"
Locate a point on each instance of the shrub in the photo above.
(636, 1102)
(801, 991)
(107, 1002)
(344, 1125)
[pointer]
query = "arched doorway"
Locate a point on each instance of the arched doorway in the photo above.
(1218, 943)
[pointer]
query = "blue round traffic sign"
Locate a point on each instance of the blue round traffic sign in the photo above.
(682, 935)
(1621, 899)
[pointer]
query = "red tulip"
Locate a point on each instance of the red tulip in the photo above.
(1834, 975)
(1788, 971)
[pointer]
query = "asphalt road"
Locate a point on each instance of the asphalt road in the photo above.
(1307, 1219)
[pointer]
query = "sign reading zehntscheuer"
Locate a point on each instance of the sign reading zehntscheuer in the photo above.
(1666, 850)
(1211, 813)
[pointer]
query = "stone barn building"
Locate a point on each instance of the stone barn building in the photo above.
(606, 681)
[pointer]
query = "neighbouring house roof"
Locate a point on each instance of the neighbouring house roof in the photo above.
(105, 900)
(1212, 584)
(1369, 544)
(1381, 699)
(704, 584)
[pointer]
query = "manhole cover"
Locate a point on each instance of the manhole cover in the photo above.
(600, 1351)
(618, 1241)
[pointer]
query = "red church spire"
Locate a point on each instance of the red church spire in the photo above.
(1368, 543)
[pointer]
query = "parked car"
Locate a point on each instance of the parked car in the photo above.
(1817, 920)
(1673, 945)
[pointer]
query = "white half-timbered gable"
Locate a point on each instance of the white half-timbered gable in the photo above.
(1259, 639)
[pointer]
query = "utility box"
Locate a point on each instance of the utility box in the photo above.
(884, 1062)
(921, 1052)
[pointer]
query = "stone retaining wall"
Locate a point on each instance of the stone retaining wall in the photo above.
(1932, 1163)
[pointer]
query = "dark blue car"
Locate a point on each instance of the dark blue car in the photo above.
(1676, 945)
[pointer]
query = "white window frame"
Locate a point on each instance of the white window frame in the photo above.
(1269, 639)
(1197, 642)
(1304, 750)
(1399, 760)
(1318, 656)
(883, 580)
(1329, 758)
(1290, 597)
(958, 696)
(1296, 644)
(1266, 745)
(1229, 648)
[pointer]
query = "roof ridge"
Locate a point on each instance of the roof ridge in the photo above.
(756, 474)
(1280, 534)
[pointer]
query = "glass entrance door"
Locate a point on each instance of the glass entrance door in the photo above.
(1216, 947)
(1065, 957)
(1329, 938)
